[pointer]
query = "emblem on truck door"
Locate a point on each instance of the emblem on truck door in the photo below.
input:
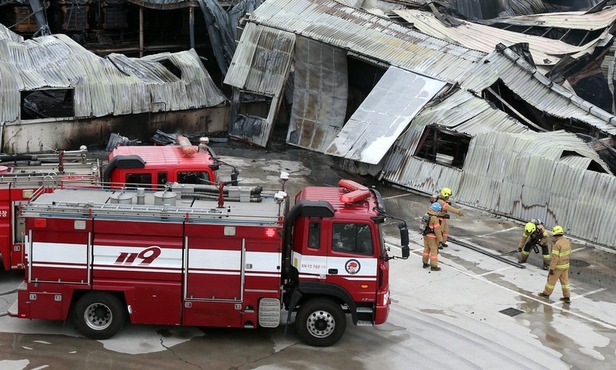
(146, 256)
(352, 267)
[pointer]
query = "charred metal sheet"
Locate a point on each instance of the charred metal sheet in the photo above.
(260, 66)
(333, 23)
(262, 62)
(383, 115)
(534, 88)
(319, 95)
(546, 52)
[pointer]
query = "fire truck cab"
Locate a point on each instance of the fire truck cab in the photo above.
(103, 257)
(155, 166)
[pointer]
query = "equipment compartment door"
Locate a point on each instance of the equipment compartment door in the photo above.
(58, 250)
(213, 263)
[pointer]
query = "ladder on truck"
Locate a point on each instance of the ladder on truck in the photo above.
(45, 205)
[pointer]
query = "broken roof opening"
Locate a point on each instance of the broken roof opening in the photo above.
(592, 166)
(443, 146)
(47, 103)
(570, 36)
(509, 102)
(172, 68)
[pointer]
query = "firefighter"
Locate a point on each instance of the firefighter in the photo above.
(559, 266)
(443, 200)
(432, 236)
(534, 234)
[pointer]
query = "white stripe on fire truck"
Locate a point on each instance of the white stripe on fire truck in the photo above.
(59, 252)
(319, 265)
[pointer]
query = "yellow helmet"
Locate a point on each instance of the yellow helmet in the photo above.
(530, 228)
(445, 192)
(558, 230)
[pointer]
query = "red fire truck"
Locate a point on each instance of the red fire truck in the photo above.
(153, 166)
(101, 257)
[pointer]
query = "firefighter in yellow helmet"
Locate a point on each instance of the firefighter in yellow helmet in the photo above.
(534, 236)
(443, 200)
(559, 266)
(432, 236)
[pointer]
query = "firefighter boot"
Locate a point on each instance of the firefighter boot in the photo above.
(546, 264)
(523, 258)
(426, 265)
(435, 268)
(566, 299)
(543, 295)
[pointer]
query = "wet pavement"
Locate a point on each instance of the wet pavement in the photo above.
(480, 312)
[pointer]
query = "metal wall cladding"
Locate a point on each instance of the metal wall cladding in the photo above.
(320, 94)
(383, 115)
(534, 88)
(115, 85)
(535, 179)
(369, 35)
(262, 60)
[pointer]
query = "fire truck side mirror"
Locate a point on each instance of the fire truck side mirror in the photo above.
(404, 240)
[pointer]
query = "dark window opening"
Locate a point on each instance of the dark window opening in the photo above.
(352, 238)
(138, 179)
(314, 235)
(363, 77)
(194, 177)
(48, 103)
(162, 178)
(444, 147)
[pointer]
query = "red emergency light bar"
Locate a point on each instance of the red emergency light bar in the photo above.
(357, 192)
(270, 233)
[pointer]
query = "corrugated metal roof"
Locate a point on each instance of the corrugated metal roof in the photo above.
(580, 20)
(367, 34)
(114, 85)
(383, 115)
(461, 112)
(545, 51)
(538, 177)
(531, 86)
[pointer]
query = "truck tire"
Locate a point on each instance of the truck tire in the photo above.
(320, 322)
(99, 315)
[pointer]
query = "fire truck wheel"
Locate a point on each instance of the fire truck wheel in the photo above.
(320, 322)
(99, 315)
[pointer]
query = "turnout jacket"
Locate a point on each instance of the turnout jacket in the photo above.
(561, 250)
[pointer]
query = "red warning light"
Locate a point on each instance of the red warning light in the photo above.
(40, 223)
(270, 233)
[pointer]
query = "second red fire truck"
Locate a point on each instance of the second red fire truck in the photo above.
(148, 166)
(103, 257)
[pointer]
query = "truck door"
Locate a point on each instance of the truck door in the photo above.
(214, 275)
(351, 261)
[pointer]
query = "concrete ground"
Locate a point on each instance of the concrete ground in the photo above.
(480, 312)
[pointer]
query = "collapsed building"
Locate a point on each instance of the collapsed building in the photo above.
(422, 113)
(402, 95)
